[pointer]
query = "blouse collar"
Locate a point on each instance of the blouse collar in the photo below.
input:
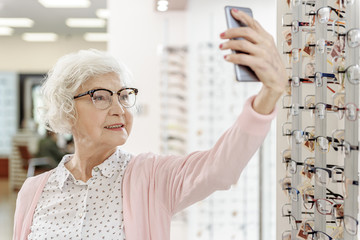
(117, 161)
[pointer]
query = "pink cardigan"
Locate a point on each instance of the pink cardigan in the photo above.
(155, 187)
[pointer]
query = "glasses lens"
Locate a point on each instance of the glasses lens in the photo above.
(353, 38)
(338, 214)
(286, 210)
(351, 111)
(323, 14)
(293, 222)
(324, 206)
(295, 81)
(292, 166)
(286, 236)
(127, 97)
(295, 26)
(322, 236)
(321, 45)
(348, 2)
(308, 201)
(350, 225)
(344, 189)
(321, 176)
(320, 110)
(353, 74)
(299, 136)
(296, 2)
(318, 79)
(295, 109)
(341, 111)
(286, 155)
(323, 144)
(101, 99)
(294, 194)
(337, 175)
(295, 53)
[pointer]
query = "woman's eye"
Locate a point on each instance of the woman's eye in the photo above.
(124, 97)
(99, 98)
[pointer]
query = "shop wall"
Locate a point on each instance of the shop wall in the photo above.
(27, 57)
(136, 37)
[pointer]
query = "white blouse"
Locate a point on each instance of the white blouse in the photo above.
(73, 209)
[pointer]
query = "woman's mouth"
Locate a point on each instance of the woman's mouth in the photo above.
(115, 127)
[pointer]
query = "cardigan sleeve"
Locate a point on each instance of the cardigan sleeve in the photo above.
(179, 181)
(26, 201)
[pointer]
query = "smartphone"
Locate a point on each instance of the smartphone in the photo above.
(243, 73)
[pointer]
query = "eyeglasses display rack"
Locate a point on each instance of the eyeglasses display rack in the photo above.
(173, 100)
(351, 127)
(322, 40)
(296, 101)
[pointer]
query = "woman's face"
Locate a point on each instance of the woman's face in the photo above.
(99, 126)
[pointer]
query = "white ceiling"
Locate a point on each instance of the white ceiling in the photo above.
(53, 20)
(49, 19)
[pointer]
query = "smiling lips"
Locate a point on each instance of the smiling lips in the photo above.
(115, 126)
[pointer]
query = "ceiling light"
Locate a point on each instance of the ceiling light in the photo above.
(162, 8)
(163, 3)
(103, 13)
(16, 22)
(65, 3)
(6, 31)
(96, 37)
(40, 37)
(85, 22)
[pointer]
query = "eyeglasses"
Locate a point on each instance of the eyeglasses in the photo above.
(350, 224)
(295, 24)
(323, 13)
(323, 206)
(346, 182)
(102, 98)
(293, 222)
(286, 235)
(352, 36)
(352, 74)
(324, 175)
(293, 194)
(320, 45)
(320, 235)
(291, 165)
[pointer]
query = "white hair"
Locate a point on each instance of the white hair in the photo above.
(66, 77)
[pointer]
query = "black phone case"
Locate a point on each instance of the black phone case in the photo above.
(243, 73)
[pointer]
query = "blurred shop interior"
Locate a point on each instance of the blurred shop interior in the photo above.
(171, 48)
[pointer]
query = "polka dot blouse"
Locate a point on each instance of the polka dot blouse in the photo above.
(73, 209)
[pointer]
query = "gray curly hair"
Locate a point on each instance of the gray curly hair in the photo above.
(70, 73)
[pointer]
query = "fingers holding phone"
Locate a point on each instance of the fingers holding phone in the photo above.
(253, 47)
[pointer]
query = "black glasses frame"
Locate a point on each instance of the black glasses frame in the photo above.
(91, 93)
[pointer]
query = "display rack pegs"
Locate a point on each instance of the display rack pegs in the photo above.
(296, 98)
(351, 127)
(320, 121)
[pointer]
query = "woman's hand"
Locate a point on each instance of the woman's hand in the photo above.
(261, 55)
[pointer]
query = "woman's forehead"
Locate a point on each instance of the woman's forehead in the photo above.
(109, 81)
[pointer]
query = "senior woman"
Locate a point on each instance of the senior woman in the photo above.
(103, 192)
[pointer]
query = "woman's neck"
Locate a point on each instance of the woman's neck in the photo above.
(85, 159)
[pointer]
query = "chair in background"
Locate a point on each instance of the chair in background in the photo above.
(35, 166)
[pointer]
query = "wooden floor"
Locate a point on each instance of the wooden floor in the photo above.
(7, 208)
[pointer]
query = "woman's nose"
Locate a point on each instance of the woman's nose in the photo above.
(116, 107)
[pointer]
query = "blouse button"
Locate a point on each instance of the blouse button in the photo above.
(96, 169)
(80, 215)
